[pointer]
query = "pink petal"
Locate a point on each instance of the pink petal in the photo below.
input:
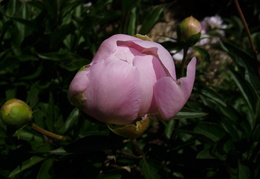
(188, 81)
(79, 83)
(150, 70)
(109, 46)
(114, 96)
(164, 56)
(171, 96)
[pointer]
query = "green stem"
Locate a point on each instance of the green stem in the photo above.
(48, 133)
(185, 51)
(246, 27)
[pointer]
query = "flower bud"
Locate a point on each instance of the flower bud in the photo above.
(127, 79)
(15, 112)
(131, 131)
(188, 31)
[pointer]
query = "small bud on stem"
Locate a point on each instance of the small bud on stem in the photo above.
(15, 112)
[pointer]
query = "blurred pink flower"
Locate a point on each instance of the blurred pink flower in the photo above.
(212, 23)
(129, 78)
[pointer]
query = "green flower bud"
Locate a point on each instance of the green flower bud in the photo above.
(131, 131)
(188, 31)
(15, 112)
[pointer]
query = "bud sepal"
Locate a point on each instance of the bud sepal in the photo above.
(131, 131)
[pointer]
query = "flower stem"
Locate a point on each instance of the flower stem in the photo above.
(185, 51)
(48, 133)
(246, 27)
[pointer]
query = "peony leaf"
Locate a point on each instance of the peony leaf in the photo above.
(44, 172)
(132, 22)
(185, 115)
(151, 19)
(26, 165)
(149, 169)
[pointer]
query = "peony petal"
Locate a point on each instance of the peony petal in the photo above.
(150, 71)
(188, 81)
(147, 78)
(114, 96)
(109, 46)
(79, 83)
(161, 52)
(171, 96)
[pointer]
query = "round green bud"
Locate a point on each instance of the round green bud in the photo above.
(188, 31)
(15, 112)
(131, 131)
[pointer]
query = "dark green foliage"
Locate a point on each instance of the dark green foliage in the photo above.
(44, 43)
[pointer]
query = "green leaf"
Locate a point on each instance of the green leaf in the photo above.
(230, 128)
(213, 95)
(185, 115)
(32, 97)
(10, 93)
(57, 36)
(52, 8)
(59, 151)
(27, 135)
(213, 100)
(127, 5)
(44, 172)
(169, 127)
(243, 171)
(24, 15)
(69, 6)
(151, 19)
(68, 61)
(12, 7)
(210, 130)
(205, 131)
(70, 121)
(34, 75)
(51, 114)
(151, 169)
(26, 165)
(132, 23)
(172, 45)
(244, 61)
(205, 154)
(74, 63)
(244, 88)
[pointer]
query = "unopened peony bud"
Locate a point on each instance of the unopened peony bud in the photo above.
(188, 31)
(129, 78)
(131, 131)
(15, 112)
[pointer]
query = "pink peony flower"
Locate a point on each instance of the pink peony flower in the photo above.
(129, 78)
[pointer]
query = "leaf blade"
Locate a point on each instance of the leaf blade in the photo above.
(26, 165)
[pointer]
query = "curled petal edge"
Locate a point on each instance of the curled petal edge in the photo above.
(172, 95)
